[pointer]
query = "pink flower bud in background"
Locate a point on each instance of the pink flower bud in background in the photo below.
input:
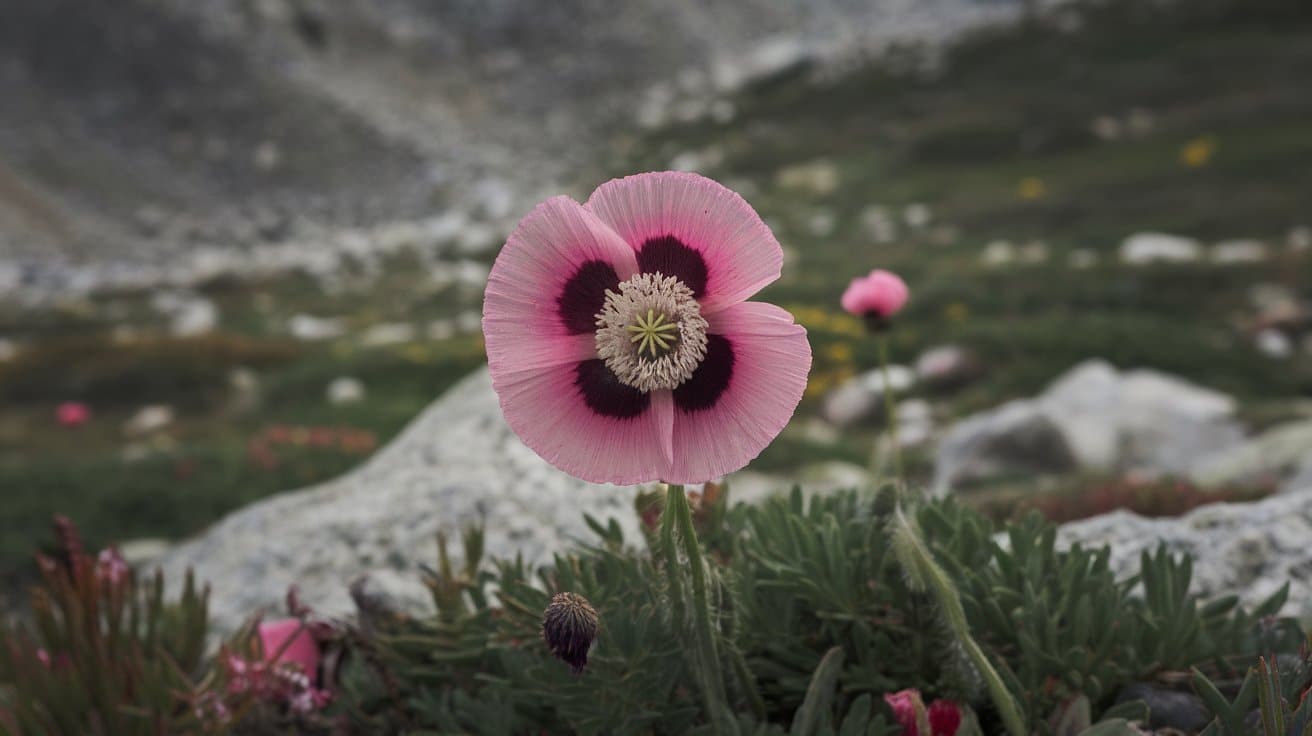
(944, 718)
(72, 414)
(904, 704)
(879, 295)
(300, 646)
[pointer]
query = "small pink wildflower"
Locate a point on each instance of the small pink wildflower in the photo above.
(296, 643)
(876, 296)
(111, 568)
(72, 414)
(620, 341)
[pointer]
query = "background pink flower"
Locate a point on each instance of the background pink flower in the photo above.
(880, 293)
(72, 414)
(619, 341)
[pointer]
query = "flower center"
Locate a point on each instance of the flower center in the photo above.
(651, 333)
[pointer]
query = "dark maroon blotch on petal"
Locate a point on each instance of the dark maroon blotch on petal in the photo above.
(671, 257)
(605, 395)
(584, 295)
(711, 378)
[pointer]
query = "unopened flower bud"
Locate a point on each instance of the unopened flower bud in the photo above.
(568, 626)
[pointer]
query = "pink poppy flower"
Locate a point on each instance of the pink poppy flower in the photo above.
(619, 340)
(879, 295)
(72, 414)
(302, 649)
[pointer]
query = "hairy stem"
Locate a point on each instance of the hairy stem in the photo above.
(890, 408)
(711, 680)
(925, 573)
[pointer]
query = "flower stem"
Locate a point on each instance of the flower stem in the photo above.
(673, 570)
(708, 661)
(890, 408)
(924, 573)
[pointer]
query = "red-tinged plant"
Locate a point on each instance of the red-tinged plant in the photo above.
(106, 654)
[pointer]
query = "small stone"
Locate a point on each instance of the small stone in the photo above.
(388, 333)
(8, 349)
(387, 596)
(1145, 248)
(267, 156)
(441, 329)
(1033, 252)
(149, 419)
(818, 177)
(1239, 251)
(1274, 344)
(307, 327)
(998, 253)
(916, 215)
(822, 223)
(469, 321)
(345, 390)
(861, 397)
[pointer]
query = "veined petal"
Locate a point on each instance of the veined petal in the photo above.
(548, 284)
(582, 420)
(742, 395)
(688, 226)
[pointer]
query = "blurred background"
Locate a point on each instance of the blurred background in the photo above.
(244, 242)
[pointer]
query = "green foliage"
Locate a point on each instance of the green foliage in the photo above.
(107, 654)
(815, 620)
(1283, 705)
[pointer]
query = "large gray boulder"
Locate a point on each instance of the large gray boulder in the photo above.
(1092, 418)
(1249, 550)
(456, 464)
(1280, 452)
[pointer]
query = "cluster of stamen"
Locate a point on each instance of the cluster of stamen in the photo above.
(651, 333)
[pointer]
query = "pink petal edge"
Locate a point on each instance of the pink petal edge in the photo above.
(771, 361)
(742, 255)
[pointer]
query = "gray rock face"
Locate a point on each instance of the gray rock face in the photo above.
(1249, 550)
(456, 464)
(1091, 418)
(1285, 450)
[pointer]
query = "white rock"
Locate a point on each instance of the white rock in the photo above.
(309, 328)
(149, 419)
(469, 321)
(8, 349)
(862, 396)
(1278, 452)
(915, 423)
(917, 215)
(1245, 549)
(1144, 248)
(189, 314)
(456, 464)
(1274, 344)
(879, 223)
(345, 390)
(822, 223)
(998, 253)
(1239, 251)
(1092, 418)
(441, 329)
(387, 333)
